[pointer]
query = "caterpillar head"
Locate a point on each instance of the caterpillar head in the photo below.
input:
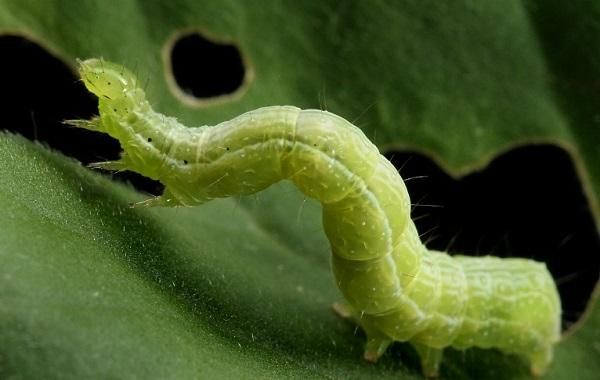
(105, 79)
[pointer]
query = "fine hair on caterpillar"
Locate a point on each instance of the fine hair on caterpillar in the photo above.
(395, 289)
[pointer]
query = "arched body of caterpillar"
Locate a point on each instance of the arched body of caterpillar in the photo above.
(395, 288)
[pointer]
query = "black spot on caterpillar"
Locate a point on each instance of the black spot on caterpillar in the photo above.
(395, 288)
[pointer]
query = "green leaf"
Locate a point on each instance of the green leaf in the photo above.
(242, 288)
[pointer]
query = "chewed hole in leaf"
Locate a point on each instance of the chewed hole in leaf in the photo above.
(39, 92)
(527, 203)
(203, 70)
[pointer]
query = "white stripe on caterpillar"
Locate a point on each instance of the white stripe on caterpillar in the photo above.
(395, 288)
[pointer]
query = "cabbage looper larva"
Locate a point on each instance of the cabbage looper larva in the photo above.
(395, 288)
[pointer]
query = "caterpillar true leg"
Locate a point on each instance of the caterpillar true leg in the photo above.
(93, 124)
(150, 202)
(396, 289)
(166, 199)
(108, 165)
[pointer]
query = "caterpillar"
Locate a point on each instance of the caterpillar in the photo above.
(394, 287)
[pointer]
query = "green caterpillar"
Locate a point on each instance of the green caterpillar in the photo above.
(395, 288)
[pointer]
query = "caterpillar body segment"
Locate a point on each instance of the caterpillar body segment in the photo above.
(395, 288)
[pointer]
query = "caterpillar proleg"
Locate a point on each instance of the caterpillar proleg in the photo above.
(395, 288)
